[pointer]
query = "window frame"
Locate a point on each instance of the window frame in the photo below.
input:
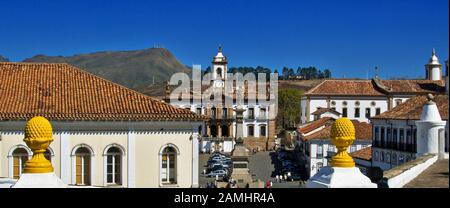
(357, 113)
(114, 161)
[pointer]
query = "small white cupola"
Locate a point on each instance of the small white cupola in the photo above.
(430, 110)
(430, 130)
(433, 69)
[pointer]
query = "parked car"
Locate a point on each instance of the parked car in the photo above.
(220, 173)
(212, 161)
(209, 170)
(294, 177)
(220, 164)
(282, 155)
(286, 163)
(289, 168)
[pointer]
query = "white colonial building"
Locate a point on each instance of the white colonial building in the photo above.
(104, 134)
(220, 130)
(362, 99)
(396, 132)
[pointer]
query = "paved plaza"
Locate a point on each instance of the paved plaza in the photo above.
(262, 166)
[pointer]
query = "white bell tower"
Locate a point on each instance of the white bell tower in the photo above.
(220, 67)
(433, 69)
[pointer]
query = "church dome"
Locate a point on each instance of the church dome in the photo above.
(434, 59)
(220, 57)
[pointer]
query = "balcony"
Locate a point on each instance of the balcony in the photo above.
(250, 117)
(262, 117)
(217, 139)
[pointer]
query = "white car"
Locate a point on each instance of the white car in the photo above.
(215, 173)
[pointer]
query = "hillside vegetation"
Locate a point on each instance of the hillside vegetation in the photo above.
(134, 69)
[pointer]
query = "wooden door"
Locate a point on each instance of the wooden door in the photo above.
(83, 169)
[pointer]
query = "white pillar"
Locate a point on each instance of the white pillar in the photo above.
(428, 136)
(65, 158)
(195, 154)
(131, 155)
(428, 128)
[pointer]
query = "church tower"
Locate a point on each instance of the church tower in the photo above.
(433, 69)
(220, 67)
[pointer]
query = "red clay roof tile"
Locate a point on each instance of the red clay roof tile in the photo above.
(64, 92)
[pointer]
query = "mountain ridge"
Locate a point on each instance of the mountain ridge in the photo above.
(135, 69)
(3, 59)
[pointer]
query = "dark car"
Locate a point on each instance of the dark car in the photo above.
(295, 177)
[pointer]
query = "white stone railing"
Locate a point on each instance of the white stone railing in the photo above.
(401, 175)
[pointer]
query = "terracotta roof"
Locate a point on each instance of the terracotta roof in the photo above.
(376, 87)
(363, 154)
(345, 87)
(412, 108)
(363, 131)
(315, 124)
(414, 86)
(321, 111)
(64, 92)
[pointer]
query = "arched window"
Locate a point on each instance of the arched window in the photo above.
(262, 131)
(20, 157)
(250, 130)
(114, 166)
(398, 102)
(219, 72)
(83, 166)
(400, 159)
(168, 165)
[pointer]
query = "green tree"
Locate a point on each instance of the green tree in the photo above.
(285, 72)
(288, 108)
(327, 73)
(291, 72)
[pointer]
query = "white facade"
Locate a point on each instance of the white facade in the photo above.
(143, 148)
(348, 106)
(395, 142)
(223, 125)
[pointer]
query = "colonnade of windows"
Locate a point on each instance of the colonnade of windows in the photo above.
(83, 163)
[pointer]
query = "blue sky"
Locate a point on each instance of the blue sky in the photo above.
(350, 37)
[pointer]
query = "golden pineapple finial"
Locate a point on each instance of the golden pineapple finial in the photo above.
(342, 136)
(38, 136)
